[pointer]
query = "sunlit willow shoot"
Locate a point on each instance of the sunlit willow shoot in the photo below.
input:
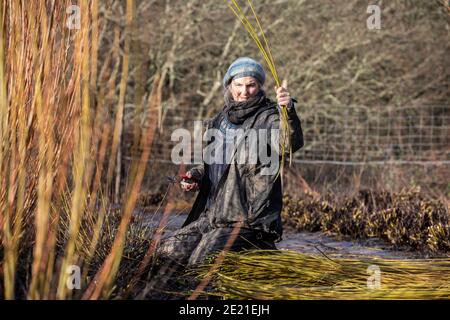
(264, 48)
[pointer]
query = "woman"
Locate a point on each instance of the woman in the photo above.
(238, 207)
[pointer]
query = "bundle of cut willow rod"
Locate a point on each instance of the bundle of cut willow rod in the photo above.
(287, 274)
(267, 54)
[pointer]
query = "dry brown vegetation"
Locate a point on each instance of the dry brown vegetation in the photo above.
(406, 219)
(338, 70)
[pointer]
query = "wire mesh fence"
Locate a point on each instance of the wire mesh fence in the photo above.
(346, 135)
(358, 135)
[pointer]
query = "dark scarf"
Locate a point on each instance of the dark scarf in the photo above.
(237, 112)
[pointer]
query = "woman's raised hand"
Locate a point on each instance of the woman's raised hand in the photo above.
(283, 96)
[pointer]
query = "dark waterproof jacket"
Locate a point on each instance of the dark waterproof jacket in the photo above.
(243, 194)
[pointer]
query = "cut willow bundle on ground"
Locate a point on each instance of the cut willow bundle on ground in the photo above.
(267, 54)
(292, 275)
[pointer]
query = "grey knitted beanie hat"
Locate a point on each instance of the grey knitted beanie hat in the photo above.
(244, 67)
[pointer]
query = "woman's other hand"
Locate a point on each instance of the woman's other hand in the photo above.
(189, 186)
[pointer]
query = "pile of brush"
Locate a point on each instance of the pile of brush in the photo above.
(405, 219)
(94, 244)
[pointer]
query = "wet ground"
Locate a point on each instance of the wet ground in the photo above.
(312, 242)
(319, 242)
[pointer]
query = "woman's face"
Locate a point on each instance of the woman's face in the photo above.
(244, 88)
